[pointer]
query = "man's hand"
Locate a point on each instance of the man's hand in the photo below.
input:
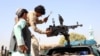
(48, 32)
(23, 48)
(45, 19)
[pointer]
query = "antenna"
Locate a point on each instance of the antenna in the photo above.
(53, 21)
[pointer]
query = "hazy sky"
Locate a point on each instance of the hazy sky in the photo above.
(86, 12)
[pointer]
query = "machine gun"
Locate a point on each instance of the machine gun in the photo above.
(61, 29)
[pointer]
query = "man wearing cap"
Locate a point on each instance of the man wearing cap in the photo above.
(21, 34)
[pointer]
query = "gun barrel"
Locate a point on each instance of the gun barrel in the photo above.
(80, 25)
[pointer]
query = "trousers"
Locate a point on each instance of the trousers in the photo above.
(34, 46)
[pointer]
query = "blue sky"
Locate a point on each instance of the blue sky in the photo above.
(86, 12)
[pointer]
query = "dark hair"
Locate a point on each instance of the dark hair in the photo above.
(20, 12)
(40, 9)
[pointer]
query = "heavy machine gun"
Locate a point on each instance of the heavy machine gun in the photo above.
(68, 50)
(61, 29)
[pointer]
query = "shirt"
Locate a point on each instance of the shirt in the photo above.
(33, 21)
(18, 31)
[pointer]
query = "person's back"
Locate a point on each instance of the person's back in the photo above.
(33, 20)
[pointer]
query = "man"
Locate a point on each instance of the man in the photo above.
(33, 20)
(22, 34)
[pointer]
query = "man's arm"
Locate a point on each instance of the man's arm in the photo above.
(32, 19)
(42, 21)
(39, 21)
